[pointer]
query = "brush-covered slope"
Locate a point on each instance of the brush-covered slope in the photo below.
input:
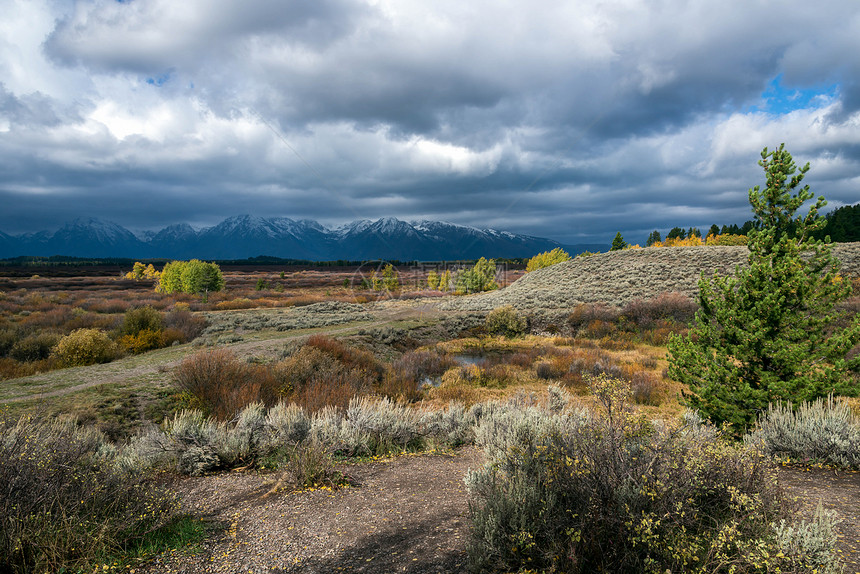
(619, 277)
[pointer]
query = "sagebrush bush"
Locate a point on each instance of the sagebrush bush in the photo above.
(607, 491)
(811, 544)
(85, 347)
(822, 431)
(377, 426)
(243, 441)
(193, 441)
(505, 321)
(286, 424)
(449, 427)
(64, 503)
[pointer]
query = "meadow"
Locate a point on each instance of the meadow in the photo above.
(298, 395)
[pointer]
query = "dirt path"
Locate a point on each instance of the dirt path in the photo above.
(408, 514)
(147, 366)
(839, 492)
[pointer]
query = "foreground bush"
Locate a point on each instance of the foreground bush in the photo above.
(610, 492)
(821, 431)
(85, 347)
(62, 502)
(194, 444)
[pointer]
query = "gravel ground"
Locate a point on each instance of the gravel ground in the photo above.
(406, 514)
(619, 277)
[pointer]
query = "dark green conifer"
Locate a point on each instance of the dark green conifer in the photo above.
(770, 333)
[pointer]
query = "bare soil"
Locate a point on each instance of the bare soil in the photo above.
(837, 491)
(405, 514)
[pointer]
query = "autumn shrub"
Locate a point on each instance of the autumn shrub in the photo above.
(325, 371)
(547, 259)
(34, 347)
(239, 303)
(65, 505)
(85, 347)
(142, 341)
(545, 370)
(53, 318)
(505, 321)
(334, 391)
(87, 320)
(617, 341)
(586, 313)
(222, 385)
(597, 329)
(106, 306)
(310, 464)
(139, 319)
(349, 356)
(8, 338)
(171, 336)
(190, 325)
(726, 239)
(674, 307)
(646, 388)
(608, 491)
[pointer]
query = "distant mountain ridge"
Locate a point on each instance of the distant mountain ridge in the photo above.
(245, 236)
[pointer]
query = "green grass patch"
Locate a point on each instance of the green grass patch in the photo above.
(184, 533)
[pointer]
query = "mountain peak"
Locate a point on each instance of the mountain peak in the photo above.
(244, 236)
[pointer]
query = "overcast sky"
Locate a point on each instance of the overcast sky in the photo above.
(570, 120)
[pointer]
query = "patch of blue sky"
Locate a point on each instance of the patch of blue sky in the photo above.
(159, 80)
(778, 99)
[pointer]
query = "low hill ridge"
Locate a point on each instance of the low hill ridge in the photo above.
(619, 277)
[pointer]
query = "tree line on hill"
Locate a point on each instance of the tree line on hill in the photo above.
(841, 224)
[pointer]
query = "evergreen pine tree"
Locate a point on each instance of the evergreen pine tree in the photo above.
(676, 233)
(770, 333)
(653, 238)
(618, 243)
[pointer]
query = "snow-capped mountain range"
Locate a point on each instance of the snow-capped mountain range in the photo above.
(247, 236)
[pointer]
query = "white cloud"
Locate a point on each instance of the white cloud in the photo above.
(577, 113)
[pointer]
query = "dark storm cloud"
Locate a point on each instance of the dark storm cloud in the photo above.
(572, 121)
